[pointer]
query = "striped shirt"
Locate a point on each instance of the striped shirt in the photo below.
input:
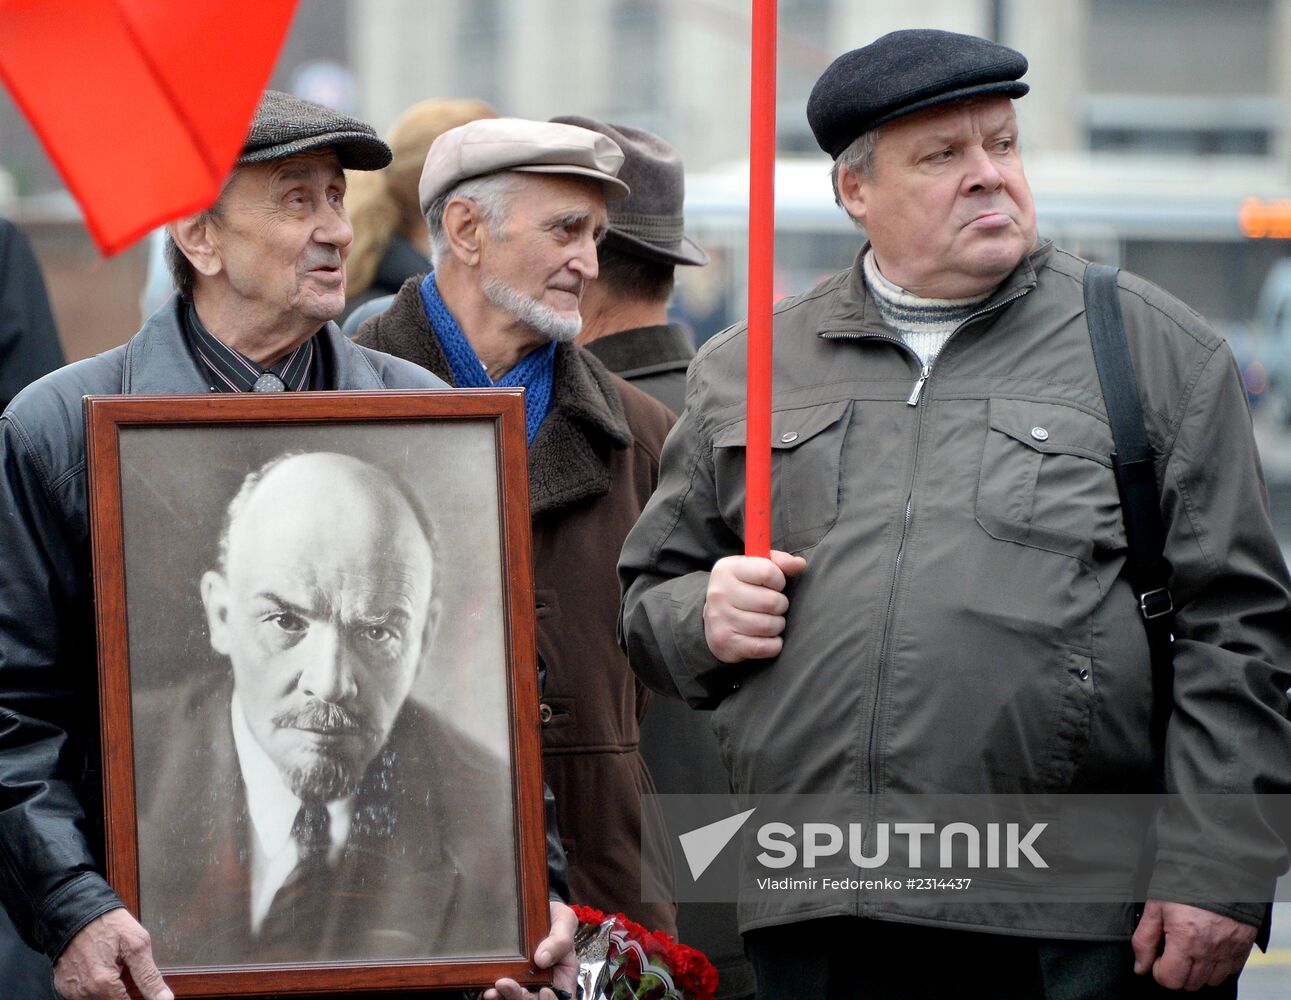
(228, 370)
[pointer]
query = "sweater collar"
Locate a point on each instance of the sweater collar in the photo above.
(854, 310)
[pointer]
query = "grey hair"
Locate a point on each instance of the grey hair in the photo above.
(492, 196)
(182, 273)
(857, 158)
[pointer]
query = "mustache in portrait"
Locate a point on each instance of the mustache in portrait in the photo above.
(321, 716)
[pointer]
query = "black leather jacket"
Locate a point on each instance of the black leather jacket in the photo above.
(51, 819)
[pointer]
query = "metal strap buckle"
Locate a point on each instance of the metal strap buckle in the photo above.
(1156, 603)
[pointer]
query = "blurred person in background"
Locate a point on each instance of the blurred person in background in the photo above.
(390, 242)
(29, 346)
(625, 324)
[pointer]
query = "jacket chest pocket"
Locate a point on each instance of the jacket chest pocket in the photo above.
(806, 472)
(1046, 479)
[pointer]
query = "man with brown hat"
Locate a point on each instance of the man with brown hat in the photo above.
(625, 310)
(260, 277)
(625, 324)
(950, 605)
(515, 210)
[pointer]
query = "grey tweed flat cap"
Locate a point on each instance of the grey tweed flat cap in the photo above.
(285, 125)
(904, 72)
(648, 222)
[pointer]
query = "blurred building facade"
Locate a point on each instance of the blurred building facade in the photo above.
(1166, 77)
(1148, 122)
(1145, 103)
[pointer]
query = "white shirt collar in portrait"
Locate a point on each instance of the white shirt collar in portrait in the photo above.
(272, 808)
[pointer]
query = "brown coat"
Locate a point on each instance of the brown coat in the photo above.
(592, 467)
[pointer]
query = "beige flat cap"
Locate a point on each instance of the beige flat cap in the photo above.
(496, 144)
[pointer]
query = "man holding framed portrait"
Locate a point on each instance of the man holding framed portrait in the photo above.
(260, 276)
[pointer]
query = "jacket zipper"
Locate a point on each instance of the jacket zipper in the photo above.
(916, 392)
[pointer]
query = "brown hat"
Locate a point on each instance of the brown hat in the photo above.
(648, 222)
(285, 125)
(492, 145)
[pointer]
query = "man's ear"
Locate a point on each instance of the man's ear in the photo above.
(851, 192)
(429, 632)
(192, 234)
(465, 228)
(215, 598)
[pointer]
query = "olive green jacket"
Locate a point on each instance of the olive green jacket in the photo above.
(964, 624)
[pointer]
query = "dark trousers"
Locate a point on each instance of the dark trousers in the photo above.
(846, 958)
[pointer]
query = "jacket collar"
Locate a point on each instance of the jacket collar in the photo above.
(158, 360)
(855, 312)
(569, 459)
(568, 462)
(644, 350)
(157, 357)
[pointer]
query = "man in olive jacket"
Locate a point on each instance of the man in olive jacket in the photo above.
(946, 607)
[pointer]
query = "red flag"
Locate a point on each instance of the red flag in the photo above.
(757, 445)
(141, 104)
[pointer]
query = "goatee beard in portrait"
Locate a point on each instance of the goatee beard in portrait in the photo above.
(320, 773)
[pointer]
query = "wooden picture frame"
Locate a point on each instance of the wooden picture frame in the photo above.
(253, 647)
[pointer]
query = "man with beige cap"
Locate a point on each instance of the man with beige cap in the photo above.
(515, 210)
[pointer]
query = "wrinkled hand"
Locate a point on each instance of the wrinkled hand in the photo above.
(744, 609)
(1202, 948)
(91, 965)
(555, 951)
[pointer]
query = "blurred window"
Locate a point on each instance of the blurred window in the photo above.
(1181, 77)
(480, 37)
(635, 33)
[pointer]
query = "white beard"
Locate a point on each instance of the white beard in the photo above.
(541, 318)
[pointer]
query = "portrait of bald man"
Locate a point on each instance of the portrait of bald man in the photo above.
(302, 804)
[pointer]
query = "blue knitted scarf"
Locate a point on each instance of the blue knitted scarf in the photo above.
(534, 371)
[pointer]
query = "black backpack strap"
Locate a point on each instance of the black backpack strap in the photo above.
(1134, 464)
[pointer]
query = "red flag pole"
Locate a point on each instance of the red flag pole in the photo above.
(757, 448)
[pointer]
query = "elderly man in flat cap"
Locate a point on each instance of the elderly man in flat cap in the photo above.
(515, 210)
(948, 606)
(260, 275)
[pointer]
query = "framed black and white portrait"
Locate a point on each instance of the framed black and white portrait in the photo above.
(319, 687)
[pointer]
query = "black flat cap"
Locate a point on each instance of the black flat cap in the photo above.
(903, 72)
(285, 125)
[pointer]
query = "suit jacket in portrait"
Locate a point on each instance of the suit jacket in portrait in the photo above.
(427, 869)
